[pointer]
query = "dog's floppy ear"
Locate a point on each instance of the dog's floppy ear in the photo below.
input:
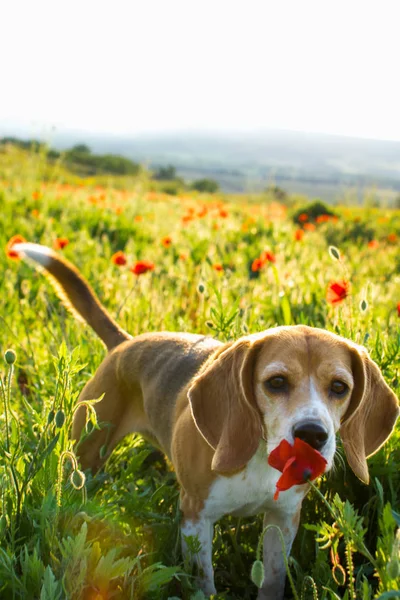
(224, 407)
(371, 414)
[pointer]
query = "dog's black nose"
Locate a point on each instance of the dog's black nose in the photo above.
(312, 433)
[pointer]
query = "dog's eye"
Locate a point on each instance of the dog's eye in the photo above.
(339, 388)
(278, 383)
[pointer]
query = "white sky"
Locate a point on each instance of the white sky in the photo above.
(156, 65)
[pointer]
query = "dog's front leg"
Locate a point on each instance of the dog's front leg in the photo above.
(202, 530)
(274, 565)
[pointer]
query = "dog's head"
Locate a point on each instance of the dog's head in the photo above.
(293, 382)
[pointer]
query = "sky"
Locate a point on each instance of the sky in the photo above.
(140, 66)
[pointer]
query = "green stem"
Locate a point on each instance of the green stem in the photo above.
(285, 560)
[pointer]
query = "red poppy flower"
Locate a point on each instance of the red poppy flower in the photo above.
(60, 243)
(119, 258)
(35, 213)
(297, 463)
(398, 309)
(267, 256)
(309, 226)
(142, 266)
(303, 217)
(322, 219)
(218, 267)
(223, 213)
(202, 212)
(337, 291)
(373, 244)
(257, 264)
(298, 235)
(392, 237)
(138, 218)
(166, 241)
(16, 239)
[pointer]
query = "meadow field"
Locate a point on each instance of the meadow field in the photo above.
(211, 264)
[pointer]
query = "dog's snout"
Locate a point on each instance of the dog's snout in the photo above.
(312, 433)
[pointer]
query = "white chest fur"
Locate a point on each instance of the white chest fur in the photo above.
(251, 491)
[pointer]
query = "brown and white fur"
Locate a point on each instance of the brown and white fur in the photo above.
(211, 408)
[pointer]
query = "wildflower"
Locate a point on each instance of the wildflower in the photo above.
(119, 259)
(218, 267)
(322, 219)
(142, 266)
(166, 241)
(16, 239)
(256, 265)
(303, 217)
(138, 218)
(60, 243)
(309, 226)
(183, 256)
(187, 218)
(298, 235)
(223, 213)
(373, 244)
(297, 463)
(35, 213)
(119, 210)
(267, 256)
(36, 195)
(202, 212)
(398, 309)
(337, 291)
(392, 237)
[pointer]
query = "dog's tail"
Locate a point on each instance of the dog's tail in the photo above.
(75, 293)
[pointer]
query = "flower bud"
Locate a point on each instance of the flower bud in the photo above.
(10, 356)
(334, 252)
(50, 417)
(77, 479)
(60, 418)
(257, 573)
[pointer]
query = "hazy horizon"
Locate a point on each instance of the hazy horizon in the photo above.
(152, 68)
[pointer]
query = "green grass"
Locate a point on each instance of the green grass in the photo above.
(117, 536)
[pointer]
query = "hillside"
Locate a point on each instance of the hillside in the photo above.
(313, 164)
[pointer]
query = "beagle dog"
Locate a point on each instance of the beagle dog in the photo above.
(217, 410)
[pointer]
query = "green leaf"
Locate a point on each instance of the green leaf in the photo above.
(51, 588)
(157, 575)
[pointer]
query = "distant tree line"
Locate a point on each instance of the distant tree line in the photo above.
(168, 174)
(80, 158)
